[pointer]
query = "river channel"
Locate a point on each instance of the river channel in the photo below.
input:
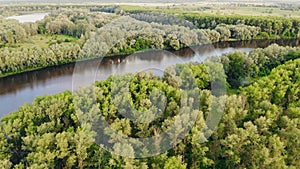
(19, 89)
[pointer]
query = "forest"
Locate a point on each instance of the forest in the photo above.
(259, 127)
(255, 94)
(63, 37)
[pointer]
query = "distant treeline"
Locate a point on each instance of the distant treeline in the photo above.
(107, 9)
(270, 27)
(240, 27)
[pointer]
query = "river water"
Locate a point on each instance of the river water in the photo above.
(22, 88)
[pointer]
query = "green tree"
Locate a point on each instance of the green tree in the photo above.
(174, 163)
(237, 67)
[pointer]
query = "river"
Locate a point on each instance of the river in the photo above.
(19, 89)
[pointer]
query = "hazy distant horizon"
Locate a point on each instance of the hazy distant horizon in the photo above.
(2, 2)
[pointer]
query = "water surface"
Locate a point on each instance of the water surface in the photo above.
(24, 88)
(29, 18)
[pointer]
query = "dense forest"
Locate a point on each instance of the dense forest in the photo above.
(76, 34)
(270, 27)
(259, 127)
(255, 95)
(55, 40)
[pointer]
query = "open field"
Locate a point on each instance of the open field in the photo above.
(249, 7)
(44, 41)
(253, 9)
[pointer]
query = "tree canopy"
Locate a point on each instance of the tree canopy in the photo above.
(259, 127)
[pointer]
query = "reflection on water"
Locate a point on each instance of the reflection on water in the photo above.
(258, 43)
(23, 88)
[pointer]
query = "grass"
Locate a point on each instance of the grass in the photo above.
(217, 8)
(42, 41)
(254, 11)
(45, 41)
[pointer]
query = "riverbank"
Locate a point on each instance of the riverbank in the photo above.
(53, 42)
(258, 43)
(15, 90)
